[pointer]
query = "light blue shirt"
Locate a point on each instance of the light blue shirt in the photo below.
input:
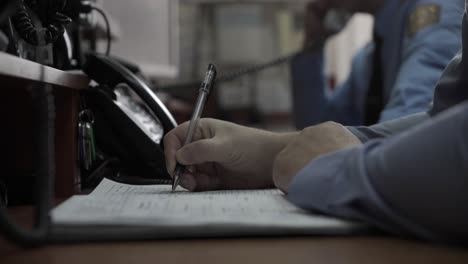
(413, 64)
(411, 175)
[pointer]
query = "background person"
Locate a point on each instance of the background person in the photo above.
(392, 76)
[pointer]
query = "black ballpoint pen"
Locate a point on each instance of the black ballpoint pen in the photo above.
(203, 93)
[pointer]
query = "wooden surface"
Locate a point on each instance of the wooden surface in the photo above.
(66, 146)
(330, 250)
(14, 67)
(16, 77)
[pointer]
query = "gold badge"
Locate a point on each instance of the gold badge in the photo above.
(423, 17)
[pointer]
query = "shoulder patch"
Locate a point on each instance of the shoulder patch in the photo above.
(423, 17)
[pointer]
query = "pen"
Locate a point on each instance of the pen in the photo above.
(201, 100)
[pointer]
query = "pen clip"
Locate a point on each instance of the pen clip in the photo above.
(209, 81)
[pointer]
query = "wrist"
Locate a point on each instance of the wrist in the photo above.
(277, 143)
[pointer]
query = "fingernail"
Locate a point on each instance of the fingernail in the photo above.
(190, 169)
(188, 182)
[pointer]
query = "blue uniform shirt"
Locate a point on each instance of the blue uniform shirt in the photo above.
(413, 64)
(411, 175)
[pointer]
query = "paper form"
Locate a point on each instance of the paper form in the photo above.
(113, 203)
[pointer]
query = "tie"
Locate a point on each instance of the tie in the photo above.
(374, 101)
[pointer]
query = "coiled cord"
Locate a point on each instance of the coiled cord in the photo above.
(57, 27)
(24, 25)
(27, 30)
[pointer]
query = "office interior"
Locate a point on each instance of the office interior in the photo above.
(166, 46)
(234, 36)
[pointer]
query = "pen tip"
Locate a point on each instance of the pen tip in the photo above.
(175, 182)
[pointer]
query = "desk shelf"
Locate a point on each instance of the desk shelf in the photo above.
(16, 68)
(16, 76)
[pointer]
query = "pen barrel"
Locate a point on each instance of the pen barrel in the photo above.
(203, 93)
(210, 78)
(200, 104)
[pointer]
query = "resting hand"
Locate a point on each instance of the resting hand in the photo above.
(224, 155)
(311, 143)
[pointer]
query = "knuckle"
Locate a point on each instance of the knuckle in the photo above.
(185, 155)
(309, 131)
(322, 129)
(331, 124)
(279, 167)
(207, 127)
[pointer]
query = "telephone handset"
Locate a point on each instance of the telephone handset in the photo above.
(130, 121)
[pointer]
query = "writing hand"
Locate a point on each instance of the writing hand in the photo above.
(224, 155)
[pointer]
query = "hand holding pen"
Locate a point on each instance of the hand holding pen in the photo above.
(203, 93)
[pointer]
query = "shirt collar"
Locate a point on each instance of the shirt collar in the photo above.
(385, 16)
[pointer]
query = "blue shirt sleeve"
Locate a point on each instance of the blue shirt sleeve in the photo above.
(424, 57)
(312, 105)
(413, 184)
(388, 128)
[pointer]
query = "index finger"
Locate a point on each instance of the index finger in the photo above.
(173, 141)
(171, 144)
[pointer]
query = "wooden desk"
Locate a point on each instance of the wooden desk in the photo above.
(318, 250)
(16, 76)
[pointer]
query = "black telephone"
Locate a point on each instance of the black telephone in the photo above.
(130, 121)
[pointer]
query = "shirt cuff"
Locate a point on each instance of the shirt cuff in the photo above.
(388, 128)
(315, 186)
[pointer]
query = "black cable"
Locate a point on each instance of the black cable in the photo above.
(27, 30)
(252, 69)
(43, 103)
(108, 28)
(44, 116)
(24, 26)
(94, 176)
(258, 68)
